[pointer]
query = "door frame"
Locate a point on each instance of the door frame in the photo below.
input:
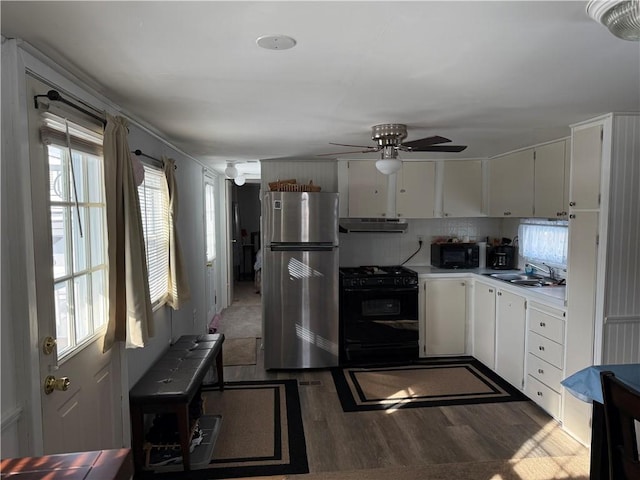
(29, 335)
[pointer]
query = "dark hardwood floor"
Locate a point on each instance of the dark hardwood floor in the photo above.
(338, 441)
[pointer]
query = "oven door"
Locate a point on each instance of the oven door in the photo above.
(374, 316)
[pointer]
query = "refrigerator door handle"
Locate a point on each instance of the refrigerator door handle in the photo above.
(302, 248)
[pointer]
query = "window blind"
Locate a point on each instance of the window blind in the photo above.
(154, 209)
(54, 132)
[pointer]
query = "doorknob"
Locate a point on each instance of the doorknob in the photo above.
(52, 383)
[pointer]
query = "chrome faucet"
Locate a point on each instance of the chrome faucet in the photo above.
(545, 269)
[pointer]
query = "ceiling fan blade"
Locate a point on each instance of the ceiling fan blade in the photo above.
(425, 142)
(347, 145)
(333, 154)
(440, 148)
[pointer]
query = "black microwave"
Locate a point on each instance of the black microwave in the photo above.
(455, 255)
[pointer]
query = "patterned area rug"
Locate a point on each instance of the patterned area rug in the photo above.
(427, 383)
(261, 432)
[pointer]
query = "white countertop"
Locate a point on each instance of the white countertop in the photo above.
(551, 295)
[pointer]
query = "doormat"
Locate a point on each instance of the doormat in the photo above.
(426, 383)
(239, 351)
(261, 433)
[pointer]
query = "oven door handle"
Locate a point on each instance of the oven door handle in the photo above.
(380, 291)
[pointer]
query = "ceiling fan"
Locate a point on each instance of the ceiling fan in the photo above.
(389, 140)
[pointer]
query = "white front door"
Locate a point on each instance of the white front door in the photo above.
(211, 267)
(81, 391)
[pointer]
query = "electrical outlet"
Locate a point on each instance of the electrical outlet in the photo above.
(421, 238)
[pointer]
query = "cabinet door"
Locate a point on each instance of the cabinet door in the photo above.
(484, 323)
(586, 158)
(462, 188)
(415, 195)
(581, 290)
(445, 315)
(367, 190)
(511, 185)
(510, 331)
(549, 180)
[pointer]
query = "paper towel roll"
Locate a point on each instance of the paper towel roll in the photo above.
(482, 257)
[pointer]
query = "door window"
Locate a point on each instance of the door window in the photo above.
(210, 221)
(78, 231)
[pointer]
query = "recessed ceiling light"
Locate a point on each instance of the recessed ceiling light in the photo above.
(276, 42)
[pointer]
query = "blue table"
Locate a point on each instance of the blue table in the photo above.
(586, 386)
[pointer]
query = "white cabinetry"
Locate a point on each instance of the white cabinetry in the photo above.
(551, 180)
(414, 195)
(510, 337)
(545, 357)
(511, 185)
(603, 306)
(367, 190)
(484, 323)
(445, 316)
(462, 188)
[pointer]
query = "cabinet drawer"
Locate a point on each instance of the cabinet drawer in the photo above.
(545, 349)
(545, 372)
(546, 325)
(543, 396)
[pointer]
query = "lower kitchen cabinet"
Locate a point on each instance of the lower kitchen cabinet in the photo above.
(484, 323)
(545, 358)
(510, 337)
(445, 316)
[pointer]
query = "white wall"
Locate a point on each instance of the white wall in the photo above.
(20, 375)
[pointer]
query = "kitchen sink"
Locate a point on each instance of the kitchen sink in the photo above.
(524, 280)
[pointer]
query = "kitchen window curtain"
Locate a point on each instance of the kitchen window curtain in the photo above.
(130, 317)
(179, 291)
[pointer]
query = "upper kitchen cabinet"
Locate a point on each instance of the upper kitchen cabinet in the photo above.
(551, 180)
(414, 190)
(586, 164)
(462, 188)
(367, 190)
(511, 184)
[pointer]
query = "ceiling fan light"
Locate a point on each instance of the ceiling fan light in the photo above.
(388, 166)
(240, 180)
(621, 17)
(231, 171)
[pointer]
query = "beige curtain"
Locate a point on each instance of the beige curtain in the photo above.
(129, 304)
(179, 292)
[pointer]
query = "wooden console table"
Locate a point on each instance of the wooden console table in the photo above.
(170, 385)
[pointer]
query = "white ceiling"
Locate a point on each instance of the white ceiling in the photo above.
(495, 76)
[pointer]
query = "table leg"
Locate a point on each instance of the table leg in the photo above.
(220, 369)
(599, 469)
(137, 434)
(184, 430)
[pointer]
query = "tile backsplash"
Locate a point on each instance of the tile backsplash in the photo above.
(395, 248)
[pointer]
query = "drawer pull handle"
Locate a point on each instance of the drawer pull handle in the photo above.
(539, 394)
(541, 348)
(540, 371)
(542, 324)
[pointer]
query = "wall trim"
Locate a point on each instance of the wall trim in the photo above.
(11, 417)
(618, 319)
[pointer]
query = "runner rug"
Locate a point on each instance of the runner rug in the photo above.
(261, 432)
(239, 351)
(426, 383)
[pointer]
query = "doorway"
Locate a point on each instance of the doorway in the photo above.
(245, 217)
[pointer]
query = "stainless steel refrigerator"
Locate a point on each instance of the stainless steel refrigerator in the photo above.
(300, 279)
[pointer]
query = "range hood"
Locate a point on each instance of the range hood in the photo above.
(384, 225)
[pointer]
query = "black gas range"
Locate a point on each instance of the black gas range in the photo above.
(378, 314)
